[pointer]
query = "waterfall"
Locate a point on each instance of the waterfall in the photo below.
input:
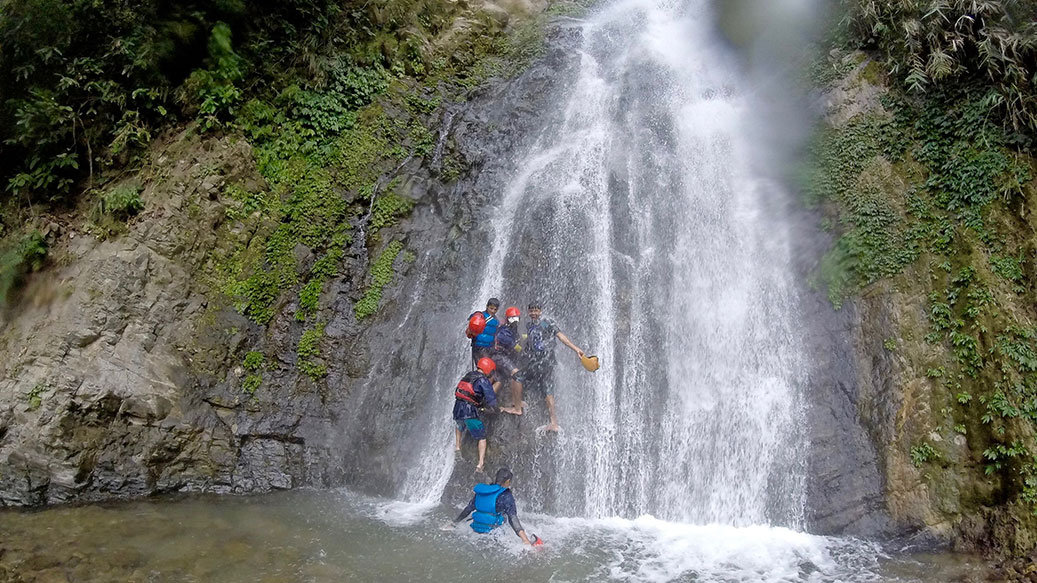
(637, 220)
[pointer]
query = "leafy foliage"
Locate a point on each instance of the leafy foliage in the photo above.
(923, 453)
(934, 183)
(20, 258)
(254, 361)
(251, 383)
(88, 83)
(121, 202)
(35, 396)
(936, 44)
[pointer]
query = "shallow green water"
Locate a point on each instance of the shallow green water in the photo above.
(338, 536)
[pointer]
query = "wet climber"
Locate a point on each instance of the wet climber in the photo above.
(492, 504)
(538, 375)
(482, 328)
(474, 392)
(505, 356)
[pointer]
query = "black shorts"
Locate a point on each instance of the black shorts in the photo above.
(539, 379)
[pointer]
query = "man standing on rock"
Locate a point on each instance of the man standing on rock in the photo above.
(474, 391)
(538, 376)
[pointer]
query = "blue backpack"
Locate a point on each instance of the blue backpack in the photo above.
(505, 338)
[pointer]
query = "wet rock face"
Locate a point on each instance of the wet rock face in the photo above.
(120, 377)
(98, 394)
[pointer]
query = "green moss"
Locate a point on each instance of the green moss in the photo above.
(251, 383)
(872, 72)
(310, 361)
(254, 360)
(35, 396)
(388, 209)
(381, 275)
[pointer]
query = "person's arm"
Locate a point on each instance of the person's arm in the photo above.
(565, 340)
(467, 510)
(517, 527)
(489, 397)
(506, 506)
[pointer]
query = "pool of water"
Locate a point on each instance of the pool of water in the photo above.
(340, 536)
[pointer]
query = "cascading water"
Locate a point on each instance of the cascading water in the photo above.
(637, 221)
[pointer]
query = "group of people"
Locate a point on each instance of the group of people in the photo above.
(500, 355)
(525, 363)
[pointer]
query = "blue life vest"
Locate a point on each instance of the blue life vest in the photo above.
(485, 340)
(486, 518)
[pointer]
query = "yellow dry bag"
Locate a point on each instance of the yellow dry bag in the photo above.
(589, 362)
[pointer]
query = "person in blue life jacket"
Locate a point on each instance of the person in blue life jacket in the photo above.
(474, 391)
(538, 375)
(491, 505)
(482, 344)
(505, 356)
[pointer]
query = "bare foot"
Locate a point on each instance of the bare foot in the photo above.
(553, 427)
(479, 469)
(511, 410)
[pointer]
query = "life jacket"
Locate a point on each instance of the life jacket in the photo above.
(486, 518)
(485, 339)
(466, 388)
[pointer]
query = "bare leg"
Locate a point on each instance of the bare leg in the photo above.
(550, 400)
(516, 395)
(482, 455)
(457, 439)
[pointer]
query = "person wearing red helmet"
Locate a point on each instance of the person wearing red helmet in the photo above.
(484, 330)
(505, 357)
(474, 391)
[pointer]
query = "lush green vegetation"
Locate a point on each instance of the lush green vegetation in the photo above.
(988, 46)
(88, 84)
(333, 98)
(20, 255)
(931, 192)
(381, 275)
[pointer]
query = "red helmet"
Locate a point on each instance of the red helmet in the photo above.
(486, 365)
(512, 312)
(476, 324)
